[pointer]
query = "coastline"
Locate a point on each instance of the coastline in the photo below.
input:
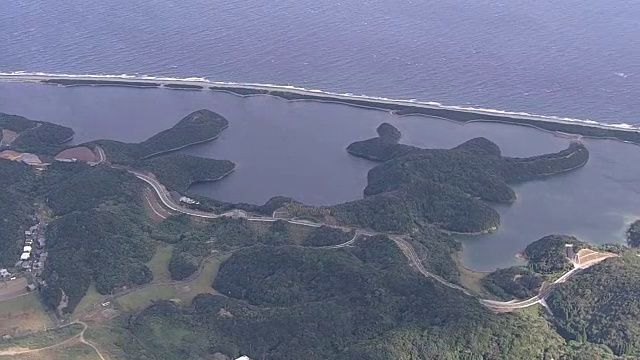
(557, 125)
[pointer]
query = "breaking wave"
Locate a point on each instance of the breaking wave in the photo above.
(26, 75)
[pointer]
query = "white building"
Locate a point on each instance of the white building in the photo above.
(187, 200)
(27, 249)
(25, 256)
(4, 273)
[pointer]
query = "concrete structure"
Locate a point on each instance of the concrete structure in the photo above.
(25, 256)
(187, 200)
(4, 273)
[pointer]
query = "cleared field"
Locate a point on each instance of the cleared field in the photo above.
(73, 351)
(12, 289)
(79, 153)
(23, 314)
(88, 302)
(159, 264)
(472, 280)
(7, 137)
(40, 339)
(182, 292)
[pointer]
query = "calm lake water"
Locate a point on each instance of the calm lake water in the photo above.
(298, 149)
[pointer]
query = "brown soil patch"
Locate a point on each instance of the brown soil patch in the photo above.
(79, 153)
(7, 137)
(13, 288)
(10, 155)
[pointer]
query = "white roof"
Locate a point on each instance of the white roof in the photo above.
(27, 249)
(25, 256)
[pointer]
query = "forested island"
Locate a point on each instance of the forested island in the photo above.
(283, 280)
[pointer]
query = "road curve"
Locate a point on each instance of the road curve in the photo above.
(400, 241)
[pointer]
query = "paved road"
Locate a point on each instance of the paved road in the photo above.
(400, 241)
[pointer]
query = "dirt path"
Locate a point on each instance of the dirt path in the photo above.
(76, 338)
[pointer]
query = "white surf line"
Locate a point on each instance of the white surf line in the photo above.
(162, 80)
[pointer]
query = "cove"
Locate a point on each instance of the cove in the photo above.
(297, 149)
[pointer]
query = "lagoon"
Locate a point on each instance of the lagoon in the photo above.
(297, 149)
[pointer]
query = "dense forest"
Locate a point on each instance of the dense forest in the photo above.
(16, 208)
(197, 127)
(179, 171)
(549, 256)
(447, 188)
(41, 138)
(361, 303)
(99, 235)
(602, 305)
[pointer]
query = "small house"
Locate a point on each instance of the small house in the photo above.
(27, 233)
(27, 249)
(25, 256)
(31, 287)
(4, 273)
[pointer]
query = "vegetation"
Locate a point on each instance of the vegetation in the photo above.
(447, 188)
(197, 127)
(601, 305)
(362, 303)
(326, 236)
(100, 234)
(548, 255)
(42, 138)
(179, 171)
(513, 282)
(16, 208)
(633, 235)
(182, 265)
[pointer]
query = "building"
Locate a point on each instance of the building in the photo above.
(31, 287)
(25, 256)
(187, 200)
(4, 273)
(27, 249)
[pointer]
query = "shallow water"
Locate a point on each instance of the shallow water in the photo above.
(298, 149)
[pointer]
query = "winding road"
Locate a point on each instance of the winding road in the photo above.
(400, 241)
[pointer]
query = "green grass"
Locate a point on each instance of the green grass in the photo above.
(87, 303)
(42, 339)
(21, 314)
(142, 298)
(183, 292)
(159, 264)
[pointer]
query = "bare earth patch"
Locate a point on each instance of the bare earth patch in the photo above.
(7, 137)
(80, 153)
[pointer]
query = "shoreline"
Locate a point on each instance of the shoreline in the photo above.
(560, 126)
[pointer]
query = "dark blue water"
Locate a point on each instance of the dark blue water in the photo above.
(298, 149)
(575, 58)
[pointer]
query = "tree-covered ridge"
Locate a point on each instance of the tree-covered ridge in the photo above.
(362, 303)
(197, 127)
(602, 305)
(179, 171)
(38, 137)
(99, 234)
(549, 254)
(16, 208)
(447, 188)
(633, 234)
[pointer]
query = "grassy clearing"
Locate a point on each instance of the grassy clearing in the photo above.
(159, 264)
(472, 280)
(23, 314)
(43, 338)
(184, 292)
(77, 351)
(87, 303)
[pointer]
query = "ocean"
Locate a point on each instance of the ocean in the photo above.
(567, 58)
